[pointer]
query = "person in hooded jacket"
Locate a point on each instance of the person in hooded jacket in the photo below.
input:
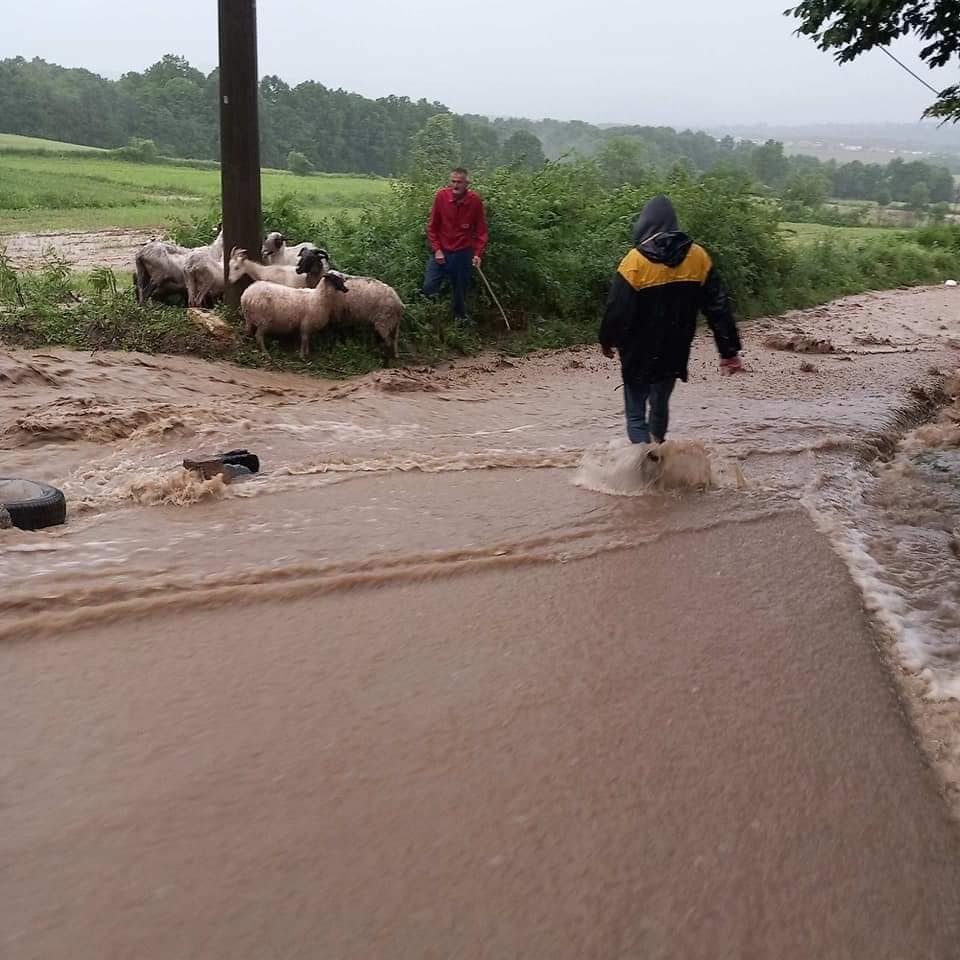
(651, 317)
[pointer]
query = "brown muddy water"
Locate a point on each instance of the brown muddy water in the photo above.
(460, 672)
(85, 250)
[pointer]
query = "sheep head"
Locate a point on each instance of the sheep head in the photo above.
(238, 264)
(272, 243)
(337, 281)
(313, 260)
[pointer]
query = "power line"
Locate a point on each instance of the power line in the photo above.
(912, 74)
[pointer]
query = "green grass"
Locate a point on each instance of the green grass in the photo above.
(13, 141)
(40, 192)
(810, 232)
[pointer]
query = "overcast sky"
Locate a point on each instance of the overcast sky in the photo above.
(696, 63)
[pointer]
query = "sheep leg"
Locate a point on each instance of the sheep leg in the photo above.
(383, 332)
(304, 340)
(260, 343)
(140, 281)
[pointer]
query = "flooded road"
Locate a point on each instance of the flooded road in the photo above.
(453, 677)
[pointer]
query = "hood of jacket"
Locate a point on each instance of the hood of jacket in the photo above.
(657, 234)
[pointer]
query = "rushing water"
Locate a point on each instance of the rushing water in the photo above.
(492, 460)
(216, 699)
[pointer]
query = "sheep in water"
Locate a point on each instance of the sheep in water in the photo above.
(275, 250)
(275, 309)
(371, 303)
(288, 276)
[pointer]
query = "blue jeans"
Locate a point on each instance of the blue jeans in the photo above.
(636, 396)
(456, 269)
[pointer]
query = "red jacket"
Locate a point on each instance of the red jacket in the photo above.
(457, 225)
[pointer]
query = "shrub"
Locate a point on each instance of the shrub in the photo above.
(298, 163)
(138, 149)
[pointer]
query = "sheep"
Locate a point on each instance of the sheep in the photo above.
(159, 267)
(241, 265)
(203, 273)
(273, 308)
(371, 302)
(276, 251)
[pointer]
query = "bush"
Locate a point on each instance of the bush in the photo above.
(284, 214)
(556, 237)
(558, 233)
(139, 150)
(830, 216)
(298, 163)
(944, 236)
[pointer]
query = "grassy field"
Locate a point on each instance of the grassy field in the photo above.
(810, 232)
(13, 141)
(47, 189)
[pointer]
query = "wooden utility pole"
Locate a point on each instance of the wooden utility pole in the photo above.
(239, 134)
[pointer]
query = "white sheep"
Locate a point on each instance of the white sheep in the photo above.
(203, 273)
(241, 265)
(276, 251)
(275, 309)
(371, 302)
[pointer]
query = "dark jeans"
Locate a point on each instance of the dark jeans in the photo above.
(641, 426)
(456, 269)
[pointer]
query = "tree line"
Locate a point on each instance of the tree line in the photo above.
(176, 106)
(313, 127)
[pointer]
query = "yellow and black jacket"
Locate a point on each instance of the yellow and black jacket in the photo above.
(651, 315)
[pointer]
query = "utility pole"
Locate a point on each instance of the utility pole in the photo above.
(239, 135)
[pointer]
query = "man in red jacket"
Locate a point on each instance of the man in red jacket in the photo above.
(457, 231)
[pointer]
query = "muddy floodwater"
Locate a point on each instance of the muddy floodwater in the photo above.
(461, 673)
(83, 249)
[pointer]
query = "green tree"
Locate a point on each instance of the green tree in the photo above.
(523, 149)
(730, 176)
(807, 189)
(919, 196)
(769, 164)
(140, 149)
(436, 149)
(623, 160)
(298, 163)
(852, 27)
(171, 67)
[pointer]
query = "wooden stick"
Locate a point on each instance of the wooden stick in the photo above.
(494, 297)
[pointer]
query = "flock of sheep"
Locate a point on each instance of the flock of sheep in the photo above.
(294, 289)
